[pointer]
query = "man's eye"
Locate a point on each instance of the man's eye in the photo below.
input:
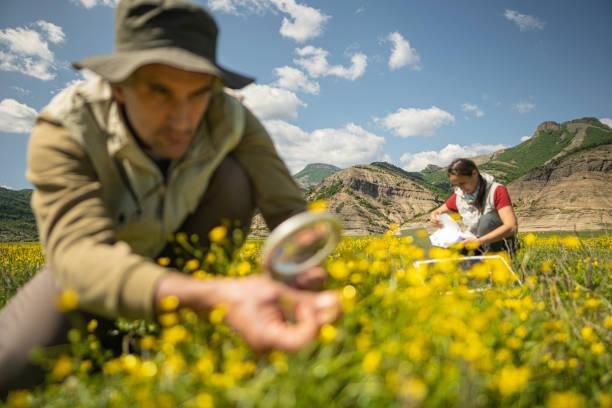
(159, 90)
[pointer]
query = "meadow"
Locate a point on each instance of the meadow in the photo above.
(432, 336)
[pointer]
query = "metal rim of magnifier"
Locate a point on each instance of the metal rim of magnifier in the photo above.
(287, 229)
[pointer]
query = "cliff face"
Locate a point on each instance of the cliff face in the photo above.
(368, 199)
(571, 192)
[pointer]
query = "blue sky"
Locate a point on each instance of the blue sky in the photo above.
(349, 82)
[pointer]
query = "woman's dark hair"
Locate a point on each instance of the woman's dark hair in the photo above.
(465, 167)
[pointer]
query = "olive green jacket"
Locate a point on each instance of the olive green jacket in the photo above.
(102, 205)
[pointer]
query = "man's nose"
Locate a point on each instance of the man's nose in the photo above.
(181, 114)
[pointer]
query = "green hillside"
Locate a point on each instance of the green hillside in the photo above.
(314, 173)
(514, 162)
(417, 177)
(16, 219)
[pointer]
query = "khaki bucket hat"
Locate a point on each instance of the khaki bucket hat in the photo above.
(177, 33)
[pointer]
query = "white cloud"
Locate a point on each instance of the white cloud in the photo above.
(92, 3)
(525, 106)
(402, 53)
(7, 187)
(16, 117)
(360, 10)
(341, 147)
(26, 50)
(295, 80)
(416, 122)
(606, 121)
(314, 61)
(269, 102)
(303, 23)
(525, 138)
(524, 22)
(443, 157)
(300, 22)
(473, 109)
(54, 32)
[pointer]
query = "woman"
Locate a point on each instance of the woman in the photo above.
(484, 206)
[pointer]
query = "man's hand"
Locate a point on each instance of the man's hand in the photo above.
(267, 314)
(259, 310)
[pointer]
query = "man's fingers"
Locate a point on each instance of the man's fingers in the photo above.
(312, 279)
(292, 337)
(327, 307)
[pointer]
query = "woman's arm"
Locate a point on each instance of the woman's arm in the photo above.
(508, 228)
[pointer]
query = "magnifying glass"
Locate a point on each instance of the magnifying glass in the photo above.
(299, 244)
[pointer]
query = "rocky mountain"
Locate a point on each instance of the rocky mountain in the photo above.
(559, 179)
(550, 140)
(571, 192)
(369, 198)
(17, 222)
(313, 174)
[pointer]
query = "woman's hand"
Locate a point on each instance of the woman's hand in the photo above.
(434, 216)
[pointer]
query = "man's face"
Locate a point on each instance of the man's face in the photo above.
(467, 184)
(165, 105)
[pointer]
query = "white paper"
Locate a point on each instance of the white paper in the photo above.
(449, 234)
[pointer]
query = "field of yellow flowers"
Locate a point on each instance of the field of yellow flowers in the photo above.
(429, 335)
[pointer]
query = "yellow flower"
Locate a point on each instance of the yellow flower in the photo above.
(147, 343)
(371, 361)
(318, 206)
(512, 379)
(338, 270)
(164, 261)
(217, 234)
(349, 292)
(217, 314)
(530, 239)
(565, 400)
(327, 333)
(244, 268)
(169, 303)
(598, 348)
(414, 390)
(605, 400)
(279, 361)
(547, 266)
(587, 333)
(608, 322)
(62, 368)
(592, 303)
(192, 265)
(204, 400)
(570, 242)
(68, 300)
(130, 362)
(19, 399)
(92, 325)
(174, 335)
(168, 319)
(85, 366)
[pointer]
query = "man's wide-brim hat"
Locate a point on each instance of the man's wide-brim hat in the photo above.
(177, 33)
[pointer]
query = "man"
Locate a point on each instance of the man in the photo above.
(152, 147)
